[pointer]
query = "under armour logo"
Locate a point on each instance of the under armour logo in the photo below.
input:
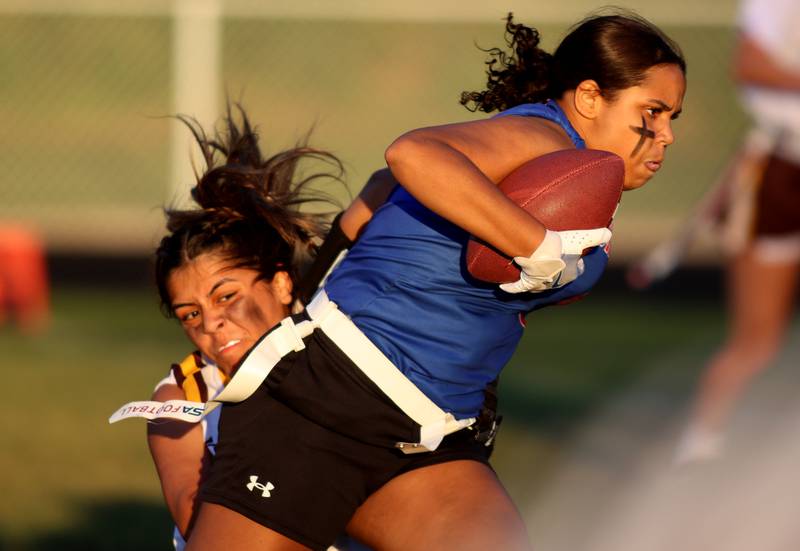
(265, 488)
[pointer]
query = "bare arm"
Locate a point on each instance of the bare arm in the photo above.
(454, 169)
(181, 458)
(372, 196)
(753, 65)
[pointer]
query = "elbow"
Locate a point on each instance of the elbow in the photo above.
(404, 151)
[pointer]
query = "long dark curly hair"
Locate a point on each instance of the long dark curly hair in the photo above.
(249, 207)
(615, 50)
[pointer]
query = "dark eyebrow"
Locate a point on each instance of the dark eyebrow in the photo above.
(661, 104)
(213, 288)
(218, 284)
(665, 106)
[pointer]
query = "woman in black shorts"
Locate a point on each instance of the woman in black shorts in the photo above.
(359, 412)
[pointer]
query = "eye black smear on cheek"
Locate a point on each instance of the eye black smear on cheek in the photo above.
(255, 312)
(644, 133)
(248, 311)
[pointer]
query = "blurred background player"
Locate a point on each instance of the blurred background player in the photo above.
(763, 223)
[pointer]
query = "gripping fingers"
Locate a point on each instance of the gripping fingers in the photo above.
(575, 241)
(572, 271)
(557, 261)
(536, 275)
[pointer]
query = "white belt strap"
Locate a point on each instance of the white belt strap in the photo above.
(434, 422)
(285, 338)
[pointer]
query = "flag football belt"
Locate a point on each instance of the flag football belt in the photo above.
(434, 422)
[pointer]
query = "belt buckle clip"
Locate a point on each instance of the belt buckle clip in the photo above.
(409, 448)
(293, 334)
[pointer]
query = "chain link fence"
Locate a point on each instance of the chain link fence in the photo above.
(88, 150)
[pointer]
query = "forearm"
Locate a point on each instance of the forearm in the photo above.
(328, 254)
(179, 484)
(344, 231)
(181, 458)
(445, 180)
(754, 66)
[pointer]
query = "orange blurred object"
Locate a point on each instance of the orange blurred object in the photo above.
(24, 285)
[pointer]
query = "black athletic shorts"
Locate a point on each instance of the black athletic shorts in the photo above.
(313, 442)
(778, 201)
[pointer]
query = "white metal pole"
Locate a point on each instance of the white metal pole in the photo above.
(195, 88)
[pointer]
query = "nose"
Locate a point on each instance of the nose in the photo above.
(213, 320)
(667, 136)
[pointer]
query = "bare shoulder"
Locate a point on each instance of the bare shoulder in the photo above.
(498, 145)
(168, 392)
(508, 129)
(544, 135)
(170, 428)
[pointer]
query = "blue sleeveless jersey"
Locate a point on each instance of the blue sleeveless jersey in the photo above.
(405, 285)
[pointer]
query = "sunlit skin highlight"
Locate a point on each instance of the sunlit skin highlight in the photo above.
(224, 309)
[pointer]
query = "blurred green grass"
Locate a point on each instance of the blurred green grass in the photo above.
(66, 464)
(71, 481)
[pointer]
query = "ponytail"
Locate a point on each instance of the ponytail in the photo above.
(249, 208)
(614, 50)
(522, 76)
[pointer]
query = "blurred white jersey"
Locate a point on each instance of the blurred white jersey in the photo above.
(773, 25)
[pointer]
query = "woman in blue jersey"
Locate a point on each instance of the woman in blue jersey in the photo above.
(358, 411)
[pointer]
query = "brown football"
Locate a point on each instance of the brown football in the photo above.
(574, 189)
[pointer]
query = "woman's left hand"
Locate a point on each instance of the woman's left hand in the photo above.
(557, 261)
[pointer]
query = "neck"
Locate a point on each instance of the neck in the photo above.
(578, 122)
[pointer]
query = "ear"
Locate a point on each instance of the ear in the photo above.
(587, 99)
(282, 287)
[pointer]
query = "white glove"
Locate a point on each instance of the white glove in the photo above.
(557, 261)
